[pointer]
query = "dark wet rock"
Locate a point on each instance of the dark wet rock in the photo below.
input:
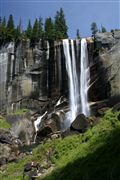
(102, 111)
(116, 108)
(3, 161)
(80, 124)
(93, 120)
(68, 132)
(33, 170)
(27, 167)
(9, 147)
(6, 136)
(43, 133)
(8, 153)
(51, 124)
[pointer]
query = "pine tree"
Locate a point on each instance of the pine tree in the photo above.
(29, 30)
(60, 25)
(94, 29)
(18, 32)
(3, 31)
(103, 29)
(35, 31)
(40, 29)
(0, 21)
(78, 34)
(10, 28)
(4, 21)
(49, 29)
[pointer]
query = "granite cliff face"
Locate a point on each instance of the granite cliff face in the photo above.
(31, 76)
(105, 68)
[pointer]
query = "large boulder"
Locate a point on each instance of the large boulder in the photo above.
(9, 147)
(80, 124)
(116, 108)
(23, 129)
(51, 125)
(105, 40)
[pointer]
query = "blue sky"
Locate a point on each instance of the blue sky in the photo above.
(79, 13)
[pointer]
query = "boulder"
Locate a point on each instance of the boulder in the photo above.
(68, 132)
(102, 111)
(6, 137)
(50, 125)
(116, 108)
(23, 129)
(80, 124)
(9, 147)
(105, 40)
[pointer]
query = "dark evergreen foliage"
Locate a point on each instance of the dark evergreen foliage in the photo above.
(10, 29)
(78, 34)
(49, 29)
(40, 28)
(18, 32)
(3, 31)
(34, 35)
(103, 29)
(61, 28)
(52, 29)
(94, 28)
(28, 33)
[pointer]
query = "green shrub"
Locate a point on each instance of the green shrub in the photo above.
(4, 124)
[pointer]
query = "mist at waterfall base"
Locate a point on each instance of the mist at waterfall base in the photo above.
(78, 81)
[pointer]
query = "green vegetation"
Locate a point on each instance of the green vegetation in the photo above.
(103, 29)
(94, 155)
(60, 25)
(3, 123)
(49, 29)
(77, 34)
(29, 30)
(19, 112)
(94, 28)
(53, 29)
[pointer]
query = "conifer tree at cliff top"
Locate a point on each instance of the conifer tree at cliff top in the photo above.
(2, 30)
(61, 28)
(10, 29)
(49, 29)
(35, 31)
(29, 30)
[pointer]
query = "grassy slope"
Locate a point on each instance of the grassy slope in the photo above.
(3, 123)
(92, 156)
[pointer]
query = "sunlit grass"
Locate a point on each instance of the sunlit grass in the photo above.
(91, 156)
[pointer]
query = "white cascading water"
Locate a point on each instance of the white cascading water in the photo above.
(73, 80)
(84, 78)
(37, 124)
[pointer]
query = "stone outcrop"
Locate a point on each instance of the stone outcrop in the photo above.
(105, 68)
(80, 123)
(9, 147)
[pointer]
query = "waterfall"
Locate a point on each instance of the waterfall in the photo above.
(72, 76)
(77, 93)
(37, 124)
(84, 78)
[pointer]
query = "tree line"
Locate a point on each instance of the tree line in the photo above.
(52, 29)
